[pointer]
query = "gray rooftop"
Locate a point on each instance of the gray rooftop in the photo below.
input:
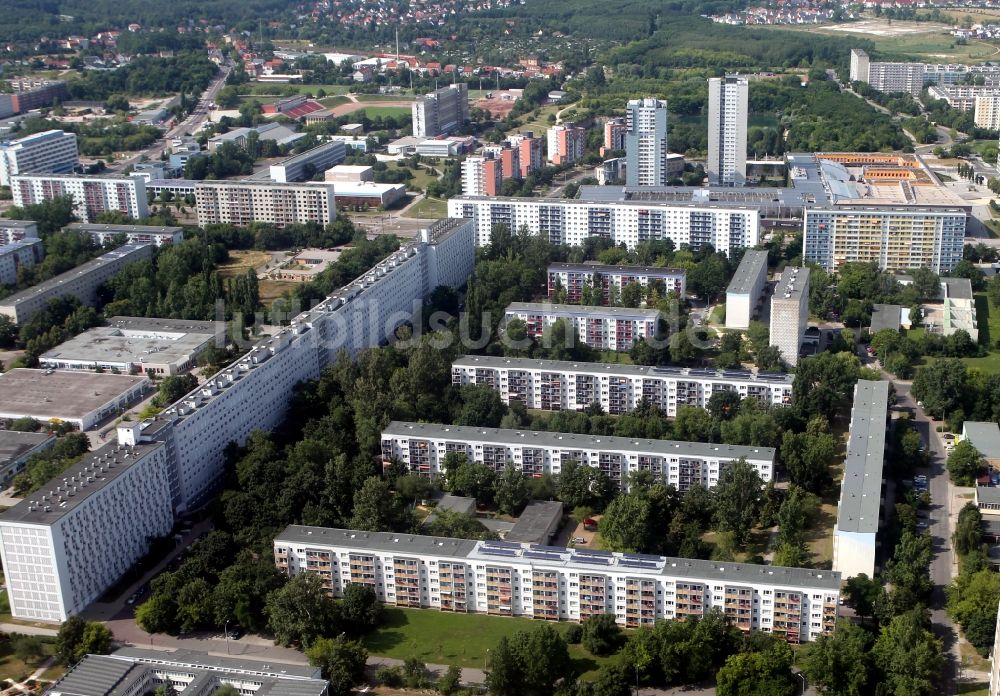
(14, 445)
(622, 369)
(136, 340)
(616, 199)
(572, 441)
(560, 557)
(18, 245)
(793, 280)
(538, 520)
(765, 197)
(100, 675)
(985, 437)
(456, 503)
(861, 490)
(957, 288)
(885, 316)
(104, 465)
(63, 393)
(989, 495)
(615, 270)
(126, 229)
(747, 272)
(582, 311)
(17, 224)
(220, 663)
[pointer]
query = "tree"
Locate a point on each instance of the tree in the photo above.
(738, 500)
(503, 675)
(96, 640)
(964, 464)
(927, 283)
(451, 681)
(767, 673)
(823, 382)
(8, 332)
(173, 388)
(511, 491)
(613, 680)
(374, 506)
(941, 386)
(968, 535)
(226, 690)
(838, 664)
(360, 609)
(970, 599)
(299, 612)
(470, 479)
(68, 639)
(583, 486)
(693, 424)
(626, 522)
(481, 406)
(768, 359)
(908, 655)
(601, 634)
(724, 405)
(342, 662)
(759, 336)
(862, 594)
(807, 458)
(28, 649)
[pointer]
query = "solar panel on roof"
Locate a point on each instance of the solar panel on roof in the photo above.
(555, 549)
(592, 552)
(593, 560)
(737, 374)
(541, 556)
(496, 543)
(510, 553)
(642, 557)
(637, 564)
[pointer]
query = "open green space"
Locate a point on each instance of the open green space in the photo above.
(383, 111)
(302, 89)
(331, 102)
(382, 97)
(973, 688)
(540, 124)
(15, 668)
(429, 209)
(443, 638)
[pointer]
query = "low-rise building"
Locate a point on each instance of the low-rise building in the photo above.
(349, 173)
(279, 133)
(546, 582)
(306, 265)
(601, 328)
(16, 448)
(746, 290)
(985, 437)
(790, 313)
(574, 277)
(24, 253)
(988, 499)
(958, 310)
(422, 448)
(134, 234)
(538, 523)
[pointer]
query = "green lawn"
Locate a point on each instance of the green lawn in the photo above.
(988, 317)
(381, 97)
(330, 102)
(443, 638)
(15, 669)
(974, 689)
(429, 209)
(395, 111)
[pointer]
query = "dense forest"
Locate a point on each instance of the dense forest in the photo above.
(147, 75)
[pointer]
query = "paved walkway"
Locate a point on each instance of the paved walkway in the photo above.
(28, 630)
(22, 687)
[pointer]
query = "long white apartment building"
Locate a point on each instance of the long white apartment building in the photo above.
(66, 544)
(860, 508)
(134, 234)
(912, 77)
(243, 202)
(16, 230)
(422, 447)
(441, 112)
(743, 296)
(962, 97)
(601, 328)
(303, 166)
(560, 584)
(627, 222)
(574, 277)
(253, 393)
(24, 253)
(92, 195)
(562, 385)
(790, 313)
(82, 282)
(49, 152)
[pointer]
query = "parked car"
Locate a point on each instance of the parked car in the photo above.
(579, 540)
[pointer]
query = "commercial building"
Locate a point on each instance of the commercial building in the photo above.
(958, 309)
(279, 133)
(482, 176)
(614, 134)
(16, 230)
(746, 289)
(860, 508)
(646, 143)
(141, 671)
(553, 583)
(601, 328)
(553, 385)
(25, 253)
(790, 313)
(574, 277)
(441, 112)
(566, 143)
(422, 447)
(304, 166)
(82, 282)
(48, 152)
(16, 448)
(243, 202)
(728, 99)
(628, 222)
(66, 544)
(134, 234)
(985, 437)
(82, 399)
(92, 195)
(160, 347)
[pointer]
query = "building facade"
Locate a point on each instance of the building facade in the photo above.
(16, 230)
(243, 202)
(305, 165)
(566, 143)
(482, 176)
(728, 99)
(611, 280)
(987, 111)
(49, 152)
(630, 223)
(558, 584)
(441, 112)
(614, 134)
(743, 296)
(552, 385)
(601, 328)
(25, 253)
(897, 238)
(529, 152)
(134, 234)
(646, 143)
(92, 195)
(790, 313)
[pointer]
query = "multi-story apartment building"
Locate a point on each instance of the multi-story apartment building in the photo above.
(628, 222)
(614, 134)
(887, 77)
(987, 113)
(860, 508)
(482, 176)
(553, 385)
(962, 97)
(92, 195)
(601, 328)
(25, 253)
(790, 312)
(566, 143)
(66, 544)
(529, 152)
(743, 296)
(30, 94)
(727, 130)
(646, 143)
(82, 282)
(16, 230)
(574, 277)
(897, 238)
(422, 447)
(242, 202)
(134, 234)
(553, 583)
(303, 166)
(441, 112)
(49, 152)
(509, 158)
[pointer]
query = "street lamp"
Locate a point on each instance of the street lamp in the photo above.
(227, 638)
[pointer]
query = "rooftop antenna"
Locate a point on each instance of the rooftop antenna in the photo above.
(397, 44)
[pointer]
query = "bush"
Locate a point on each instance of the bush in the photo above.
(574, 634)
(389, 676)
(601, 634)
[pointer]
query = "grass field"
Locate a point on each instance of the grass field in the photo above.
(381, 97)
(240, 261)
(541, 124)
(429, 209)
(442, 638)
(383, 111)
(309, 88)
(13, 668)
(974, 689)
(330, 102)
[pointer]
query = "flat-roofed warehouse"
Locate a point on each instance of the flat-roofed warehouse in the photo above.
(15, 450)
(151, 346)
(83, 399)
